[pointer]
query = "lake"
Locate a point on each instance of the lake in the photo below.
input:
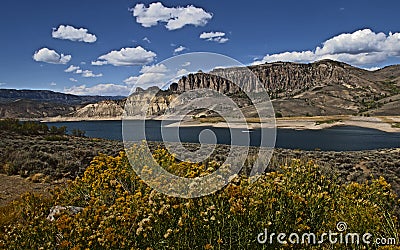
(339, 138)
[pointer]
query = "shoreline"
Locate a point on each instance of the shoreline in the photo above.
(382, 123)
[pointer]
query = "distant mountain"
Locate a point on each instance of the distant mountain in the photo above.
(43, 103)
(7, 95)
(34, 109)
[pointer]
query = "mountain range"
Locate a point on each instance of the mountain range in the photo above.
(321, 88)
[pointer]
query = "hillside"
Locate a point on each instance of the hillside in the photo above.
(7, 95)
(43, 103)
(33, 109)
(322, 88)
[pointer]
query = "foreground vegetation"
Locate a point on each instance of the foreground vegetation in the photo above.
(28, 148)
(122, 212)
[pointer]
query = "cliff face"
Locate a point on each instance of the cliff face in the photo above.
(279, 79)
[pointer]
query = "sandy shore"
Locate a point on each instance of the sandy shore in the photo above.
(380, 123)
(383, 123)
(313, 123)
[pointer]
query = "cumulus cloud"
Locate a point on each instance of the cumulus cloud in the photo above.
(53, 84)
(179, 49)
(182, 72)
(67, 32)
(218, 36)
(175, 17)
(126, 57)
(158, 68)
(73, 79)
(83, 73)
(105, 89)
(153, 75)
(71, 68)
(99, 63)
(361, 47)
(89, 73)
(50, 56)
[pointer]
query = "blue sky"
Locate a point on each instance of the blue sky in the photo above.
(107, 45)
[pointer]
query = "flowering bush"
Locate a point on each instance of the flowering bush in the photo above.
(122, 212)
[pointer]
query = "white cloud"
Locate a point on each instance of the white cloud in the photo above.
(179, 49)
(372, 68)
(74, 34)
(50, 56)
(83, 63)
(359, 48)
(182, 72)
(146, 40)
(73, 79)
(207, 35)
(218, 36)
(146, 80)
(71, 68)
(84, 73)
(126, 57)
(89, 73)
(2, 83)
(53, 84)
(186, 64)
(153, 75)
(157, 68)
(175, 17)
(99, 63)
(106, 89)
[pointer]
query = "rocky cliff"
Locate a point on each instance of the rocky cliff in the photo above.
(322, 88)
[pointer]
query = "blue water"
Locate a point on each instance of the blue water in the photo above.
(340, 138)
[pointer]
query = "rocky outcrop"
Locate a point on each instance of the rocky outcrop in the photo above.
(280, 79)
(134, 105)
(155, 99)
(103, 109)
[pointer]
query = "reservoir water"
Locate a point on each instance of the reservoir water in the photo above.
(339, 138)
